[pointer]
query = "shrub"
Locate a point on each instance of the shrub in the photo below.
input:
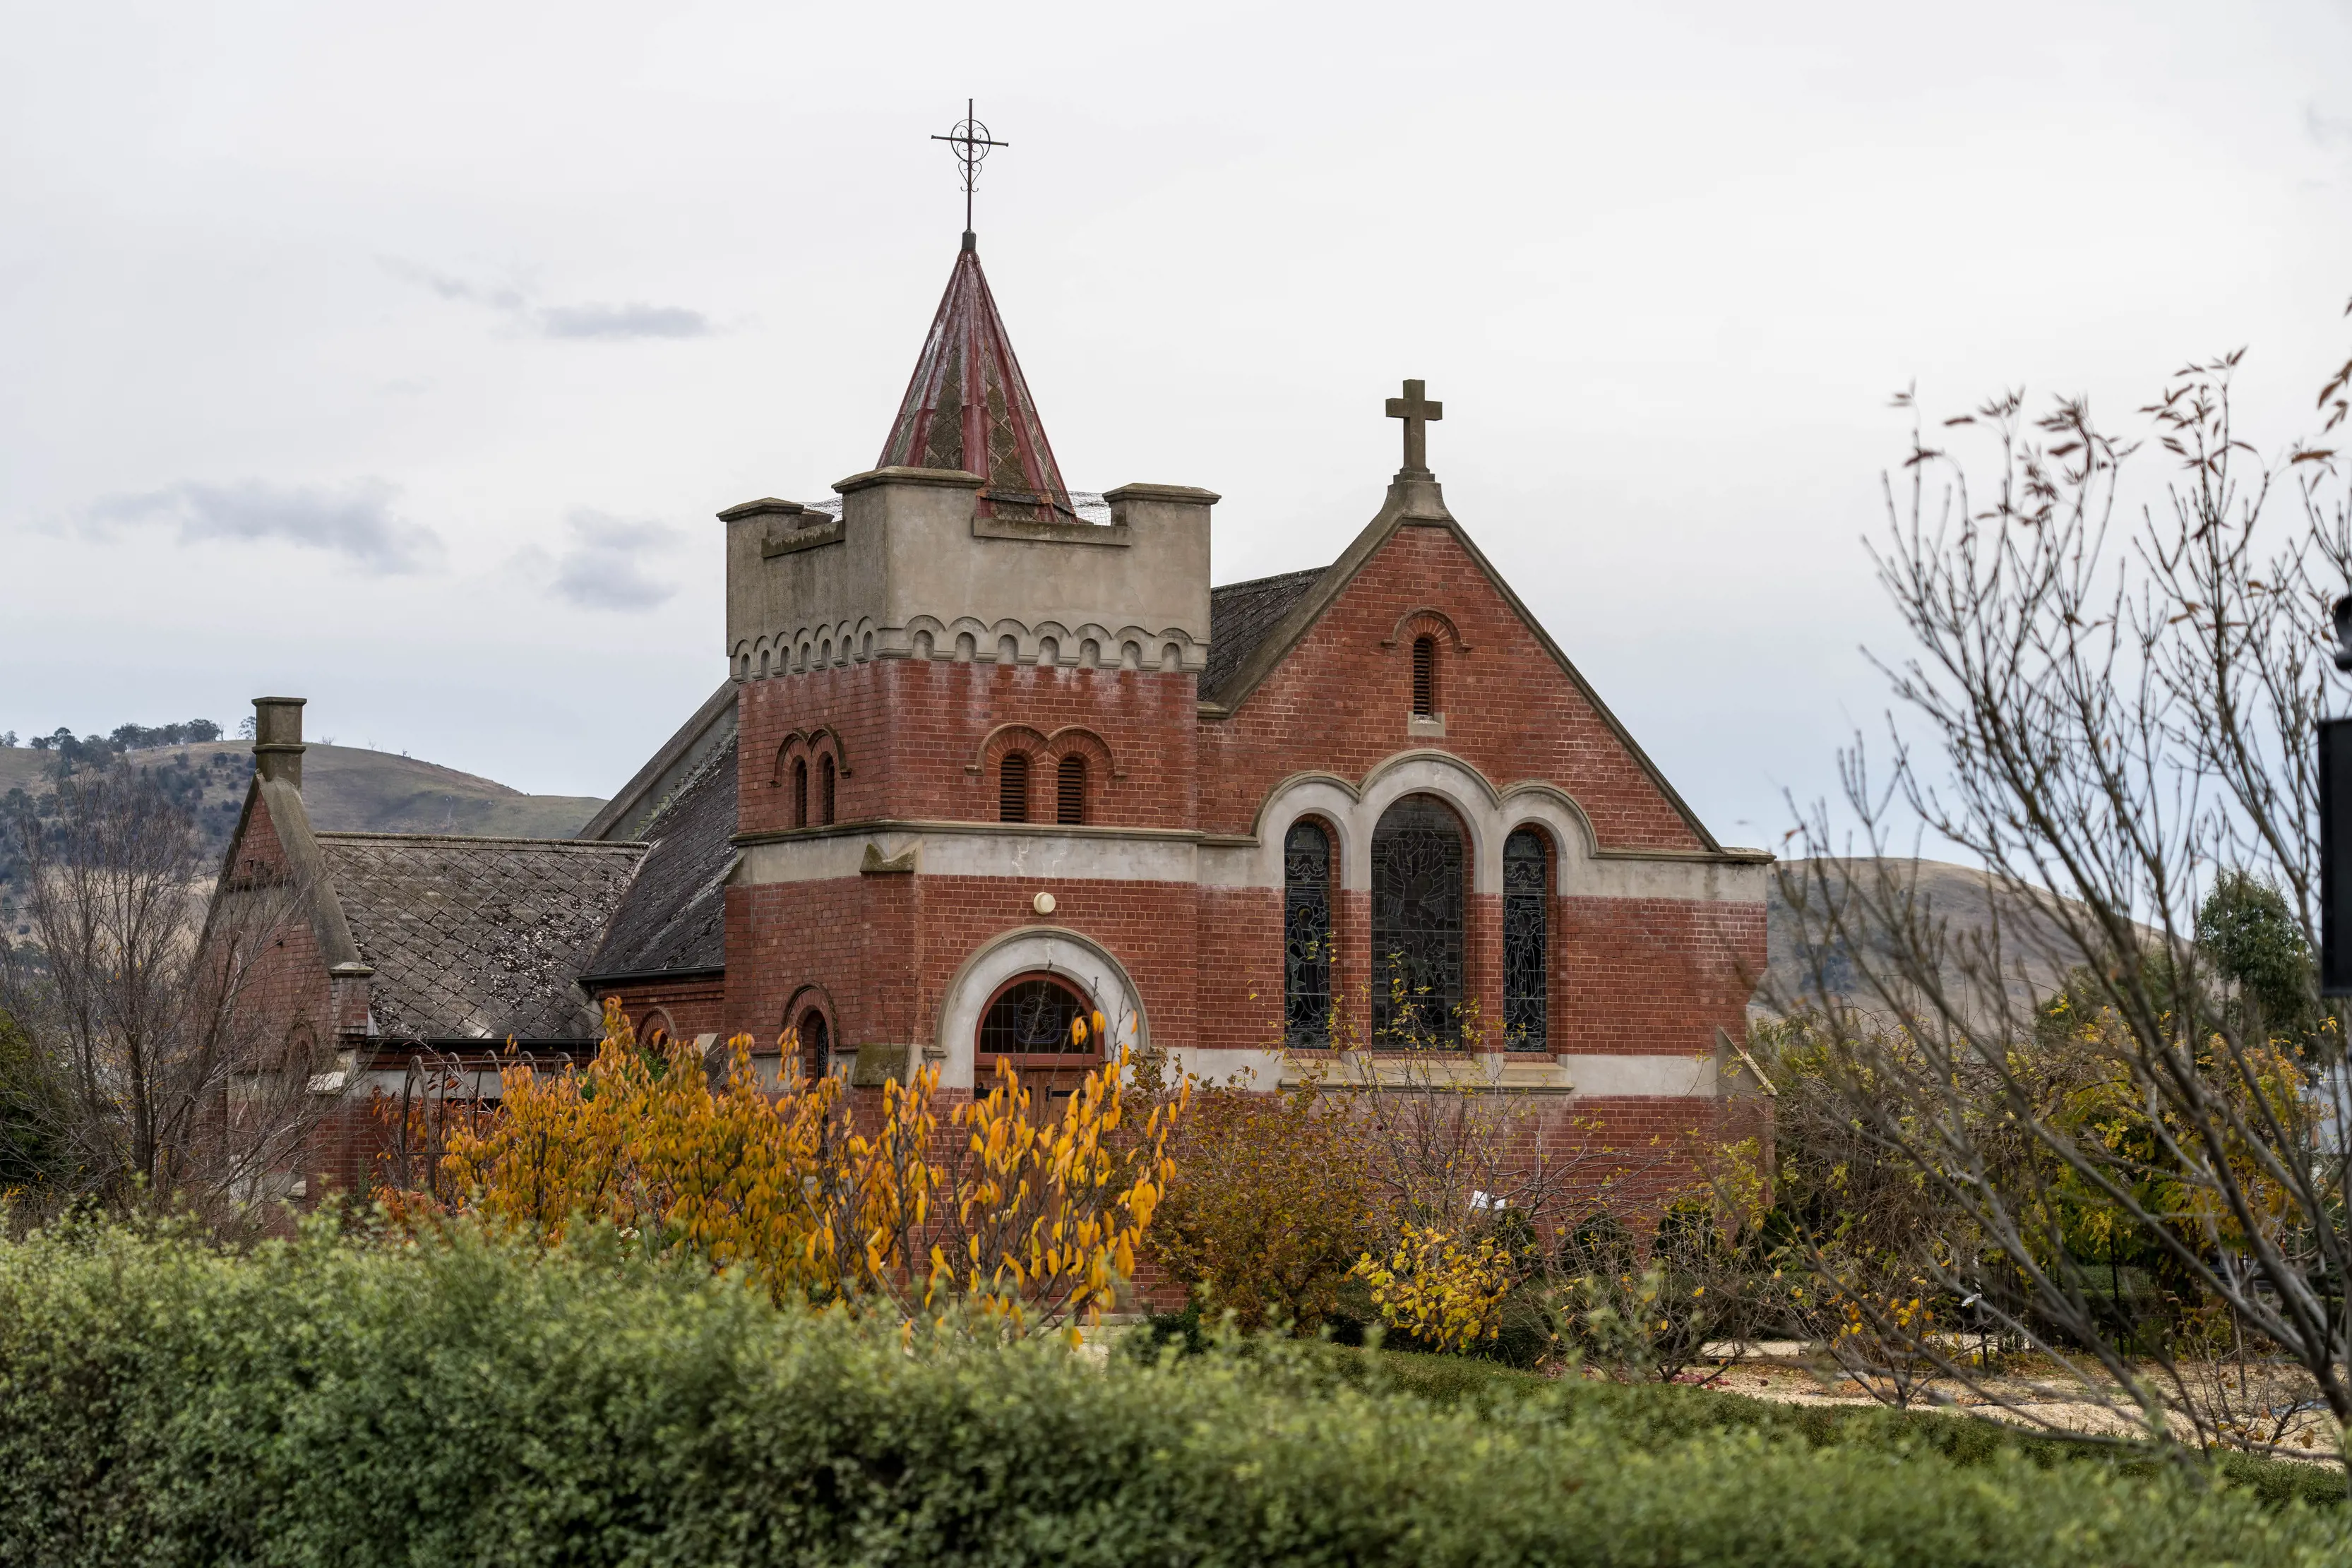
(1270, 1208)
(466, 1400)
(1032, 1221)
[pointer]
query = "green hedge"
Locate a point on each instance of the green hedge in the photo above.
(1662, 1414)
(325, 1402)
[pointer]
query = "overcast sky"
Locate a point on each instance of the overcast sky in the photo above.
(398, 356)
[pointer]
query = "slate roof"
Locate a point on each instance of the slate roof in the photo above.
(1241, 615)
(478, 938)
(673, 916)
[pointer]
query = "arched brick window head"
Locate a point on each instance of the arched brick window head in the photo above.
(800, 792)
(1013, 787)
(825, 779)
(1070, 797)
(1424, 677)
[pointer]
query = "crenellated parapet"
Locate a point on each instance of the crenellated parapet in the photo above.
(916, 567)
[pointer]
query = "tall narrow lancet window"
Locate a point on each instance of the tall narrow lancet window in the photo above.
(816, 1045)
(1070, 793)
(1424, 676)
(800, 791)
(1013, 787)
(1526, 948)
(1306, 936)
(1418, 866)
(824, 790)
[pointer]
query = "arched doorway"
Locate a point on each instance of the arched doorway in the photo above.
(1419, 867)
(1065, 957)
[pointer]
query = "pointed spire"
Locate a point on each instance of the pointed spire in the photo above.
(968, 407)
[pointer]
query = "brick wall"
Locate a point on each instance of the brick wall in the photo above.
(1342, 699)
(911, 731)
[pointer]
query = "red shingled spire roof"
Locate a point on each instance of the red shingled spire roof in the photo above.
(968, 407)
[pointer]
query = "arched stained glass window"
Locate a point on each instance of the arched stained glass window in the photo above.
(1032, 1017)
(1527, 944)
(1307, 935)
(1417, 902)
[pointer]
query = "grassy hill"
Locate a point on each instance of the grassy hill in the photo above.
(349, 788)
(2035, 955)
(346, 788)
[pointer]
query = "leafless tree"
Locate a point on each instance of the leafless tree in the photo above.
(2111, 709)
(147, 1077)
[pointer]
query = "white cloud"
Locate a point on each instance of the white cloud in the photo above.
(634, 319)
(355, 520)
(603, 566)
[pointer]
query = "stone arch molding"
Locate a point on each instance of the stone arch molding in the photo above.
(1033, 949)
(1086, 645)
(1487, 815)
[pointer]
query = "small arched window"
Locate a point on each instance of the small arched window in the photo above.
(1527, 946)
(1013, 787)
(1306, 936)
(824, 791)
(1070, 793)
(816, 1045)
(800, 791)
(1424, 677)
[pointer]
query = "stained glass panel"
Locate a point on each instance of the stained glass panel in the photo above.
(1417, 902)
(1526, 948)
(1306, 936)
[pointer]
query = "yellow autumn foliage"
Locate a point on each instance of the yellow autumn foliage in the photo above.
(1447, 1293)
(1031, 1220)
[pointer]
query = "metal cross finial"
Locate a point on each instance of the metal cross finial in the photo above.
(1416, 411)
(971, 142)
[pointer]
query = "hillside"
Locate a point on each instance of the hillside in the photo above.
(2035, 955)
(349, 788)
(346, 788)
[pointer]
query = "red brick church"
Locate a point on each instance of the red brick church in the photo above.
(993, 753)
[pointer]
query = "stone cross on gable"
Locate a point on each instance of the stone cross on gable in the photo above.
(1416, 411)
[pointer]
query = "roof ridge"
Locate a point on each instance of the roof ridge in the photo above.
(1271, 577)
(584, 846)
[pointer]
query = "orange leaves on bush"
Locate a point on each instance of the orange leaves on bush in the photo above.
(1034, 1221)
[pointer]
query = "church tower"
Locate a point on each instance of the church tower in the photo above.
(955, 677)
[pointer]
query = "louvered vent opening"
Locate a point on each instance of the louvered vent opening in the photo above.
(1012, 789)
(800, 792)
(824, 778)
(1070, 802)
(1424, 676)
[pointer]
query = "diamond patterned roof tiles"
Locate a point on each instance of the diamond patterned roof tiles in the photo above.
(478, 938)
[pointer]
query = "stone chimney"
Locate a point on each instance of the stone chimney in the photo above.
(277, 738)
